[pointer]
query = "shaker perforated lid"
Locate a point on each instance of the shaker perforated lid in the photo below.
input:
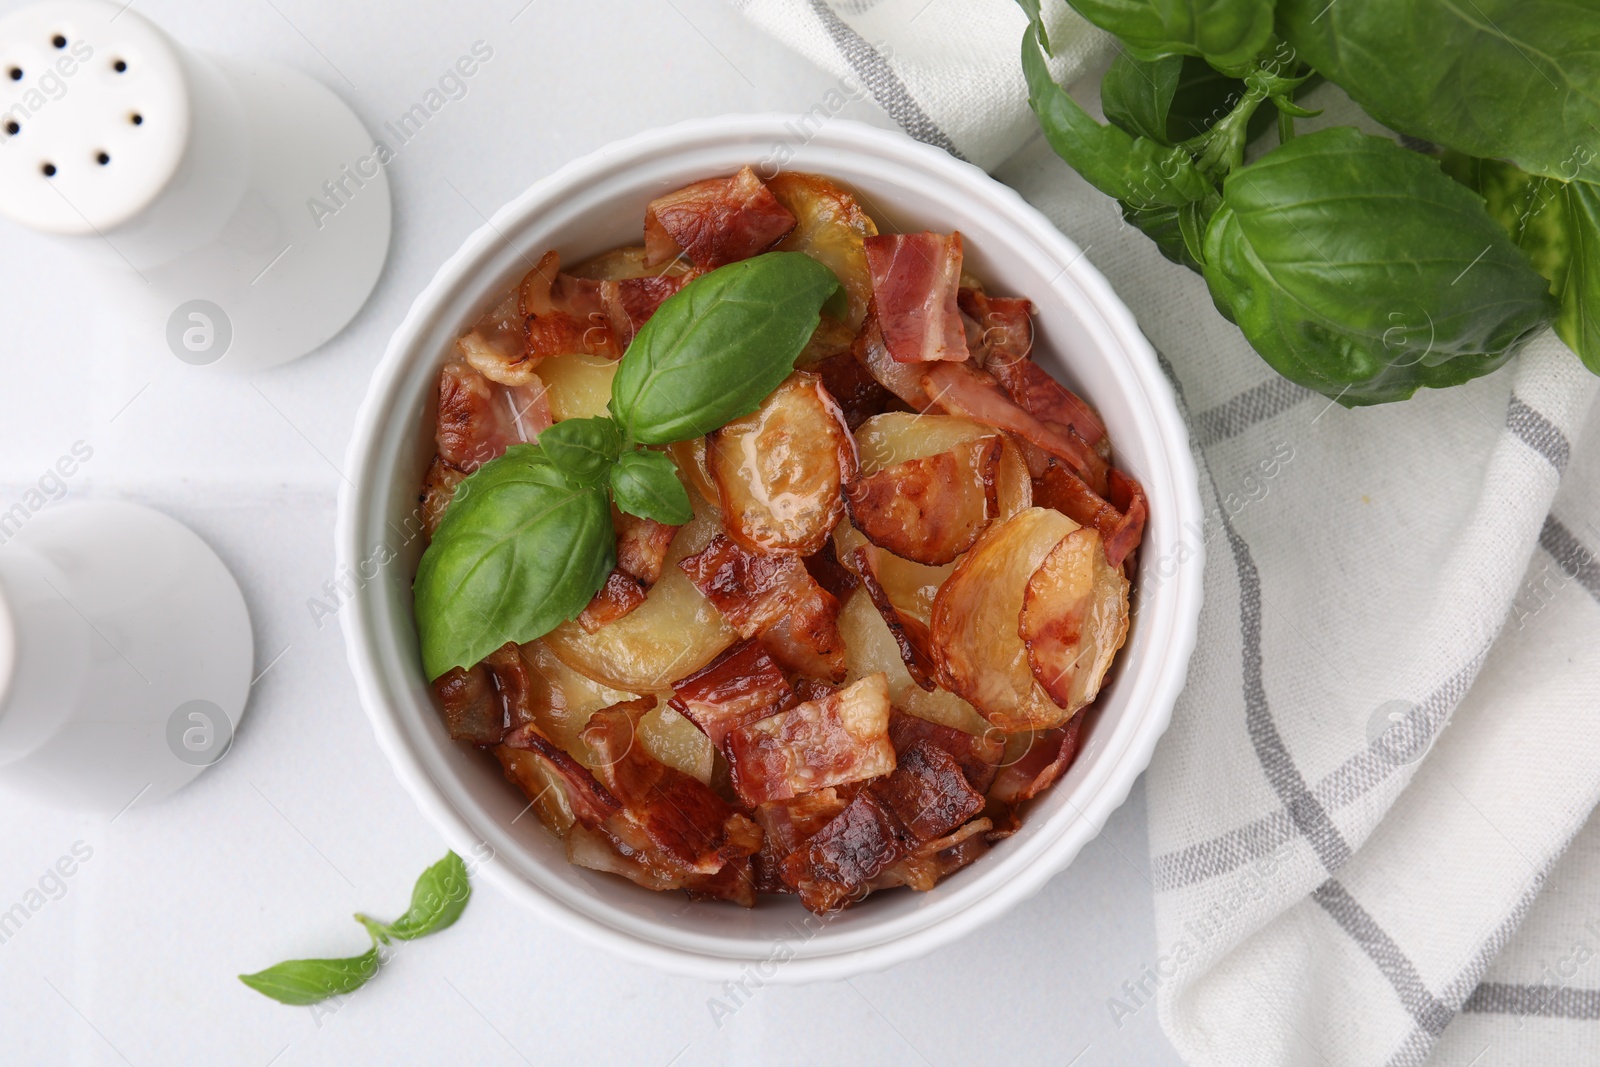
(94, 115)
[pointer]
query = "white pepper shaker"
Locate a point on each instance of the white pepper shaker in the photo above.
(192, 181)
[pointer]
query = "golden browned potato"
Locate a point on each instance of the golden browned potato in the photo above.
(831, 228)
(910, 586)
(578, 386)
(780, 471)
(1074, 618)
(677, 742)
(933, 508)
(675, 632)
(898, 436)
(975, 638)
(562, 699)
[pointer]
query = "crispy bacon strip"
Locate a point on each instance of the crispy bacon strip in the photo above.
(472, 709)
(753, 592)
(806, 640)
(962, 390)
(829, 573)
(903, 380)
(666, 814)
(841, 738)
(932, 509)
(1128, 495)
(478, 419)
(630, 302)
(915, 277)
(910, 635)
(1048, 756)
(979, 757)
(713, 222)
(642, 546)
(925, 798)
(438, 489)
(786, 825)
(563, 314)
(858, 394)
(924, 868)
(591, 802)
(738, 687)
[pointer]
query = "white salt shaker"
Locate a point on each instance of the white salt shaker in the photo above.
(201, 185)
(125, 656)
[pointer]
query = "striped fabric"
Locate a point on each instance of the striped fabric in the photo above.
(1370, 820)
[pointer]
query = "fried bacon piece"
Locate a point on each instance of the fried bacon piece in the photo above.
(495, 348)
(807, 641)
(563, 314)
(915, 277)
(923, 869)
(1074, 619)
(788, 824)
(642, 546)
(472, 709)
(852, 386)
(1061, 489)
(1001, 329)
(591, 803)
(438, 489)
(910, 635)
(781, 470)
(775, 597)
(925, 798)
(903, 380)
(714, 222)
(666, 814)
(629, 302)
(979, 757)
(479, 419)
(929, 510)
(832, 575)
(738, 687)
(840, 738)
(1049, 754)
(963, 390)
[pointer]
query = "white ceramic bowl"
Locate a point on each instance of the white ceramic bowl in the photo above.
(1086, 337)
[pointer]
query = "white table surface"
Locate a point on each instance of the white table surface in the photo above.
(267, 855)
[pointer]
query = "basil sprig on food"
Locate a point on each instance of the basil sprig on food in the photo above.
(1353, 266)
(528, 539)
(437, 901)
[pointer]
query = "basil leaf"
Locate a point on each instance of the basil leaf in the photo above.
(437, 900)
(1135, 170)
(303, 982)
(1492, 78)
(646, 484)
(1226, 32)
(1578, 322)
(521, 550)
(717, 347)
(1357, 268)
(1136, 94)
(582, 449)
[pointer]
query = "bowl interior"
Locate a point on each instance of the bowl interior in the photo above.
(1084, 336)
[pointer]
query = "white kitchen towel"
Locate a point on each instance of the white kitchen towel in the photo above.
(1370, 819)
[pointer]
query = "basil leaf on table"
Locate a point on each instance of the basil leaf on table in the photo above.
(437, 900)
(1358, 269)
(1493, 78)
(714, 350)
(582, 449)
(522, 549)
(301, 982)
(1226, 32)
(646, 484)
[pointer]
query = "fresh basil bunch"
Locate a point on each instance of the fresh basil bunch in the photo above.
(1354, 266)
(528, 539)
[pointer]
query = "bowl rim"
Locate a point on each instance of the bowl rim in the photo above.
(1167, 674)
